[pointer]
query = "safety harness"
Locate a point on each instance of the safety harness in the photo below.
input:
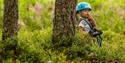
(94, 33)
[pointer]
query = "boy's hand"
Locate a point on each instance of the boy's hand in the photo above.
(91, 19)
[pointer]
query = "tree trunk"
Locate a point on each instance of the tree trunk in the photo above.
(64, 20)
(10, 26)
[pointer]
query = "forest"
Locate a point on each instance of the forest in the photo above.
(46, 31)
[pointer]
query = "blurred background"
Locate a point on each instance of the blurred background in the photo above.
(35, 30)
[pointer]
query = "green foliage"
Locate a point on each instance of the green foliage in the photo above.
(80, 48)
(35, 34)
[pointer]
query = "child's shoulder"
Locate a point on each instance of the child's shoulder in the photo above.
(82, 20)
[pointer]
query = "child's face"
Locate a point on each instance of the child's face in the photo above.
(85, 12)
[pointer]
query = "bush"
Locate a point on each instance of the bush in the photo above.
(35, 34)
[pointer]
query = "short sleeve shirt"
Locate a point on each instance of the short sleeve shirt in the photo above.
(85, 25)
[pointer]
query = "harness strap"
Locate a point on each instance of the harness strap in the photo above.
(99, 40)
(87, 22)
(98, 37)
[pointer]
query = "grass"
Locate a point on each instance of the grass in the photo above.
(34, 36)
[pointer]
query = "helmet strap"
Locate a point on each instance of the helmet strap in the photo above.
(80, 14)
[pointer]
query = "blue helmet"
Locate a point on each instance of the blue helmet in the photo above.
(83, 5)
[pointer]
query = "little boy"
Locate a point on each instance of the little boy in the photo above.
(87, 24)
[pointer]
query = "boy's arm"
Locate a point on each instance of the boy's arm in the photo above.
(92, 21)
(82, 31)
